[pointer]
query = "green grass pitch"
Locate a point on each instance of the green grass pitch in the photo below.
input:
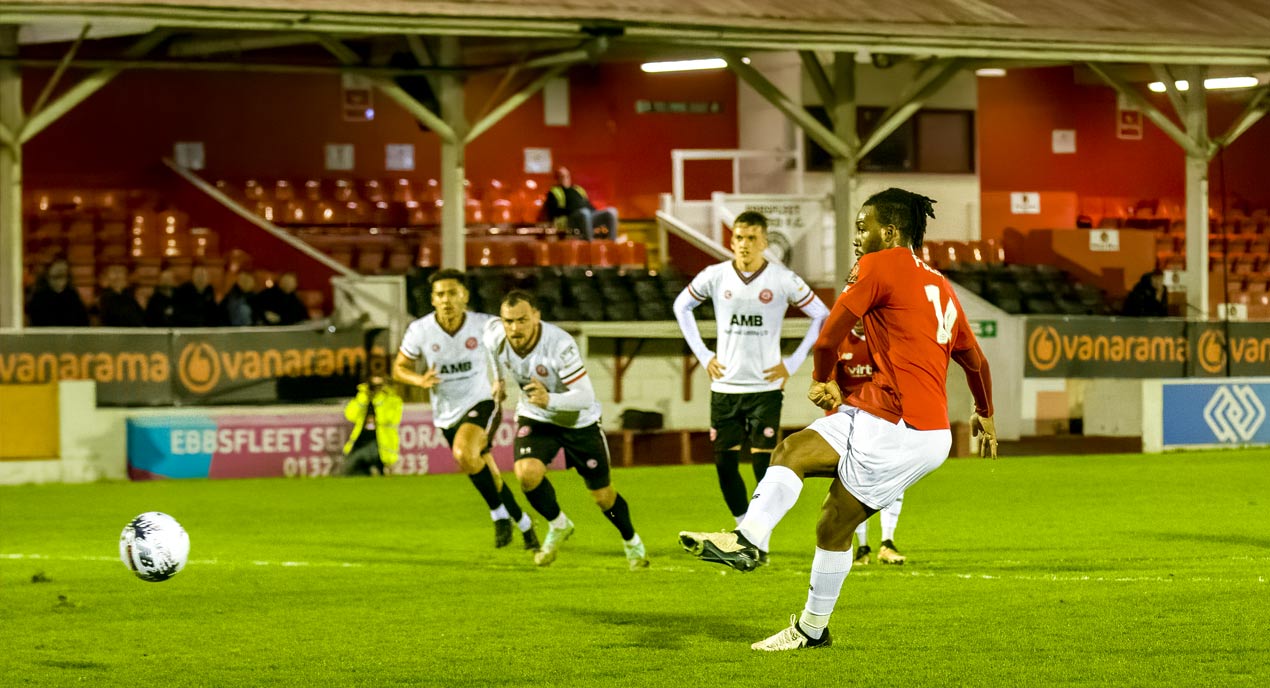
(1099, 570)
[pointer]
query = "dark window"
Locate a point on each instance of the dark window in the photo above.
(935, 141)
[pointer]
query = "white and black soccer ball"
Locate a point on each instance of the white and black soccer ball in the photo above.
(154, 546)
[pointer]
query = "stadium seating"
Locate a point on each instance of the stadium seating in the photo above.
(93, 229)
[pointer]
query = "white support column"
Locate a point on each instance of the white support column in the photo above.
(1195, 278)
(453, 162)
(11, 296)
(844, 168)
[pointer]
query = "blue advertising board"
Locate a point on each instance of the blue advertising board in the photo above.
(1215, 414)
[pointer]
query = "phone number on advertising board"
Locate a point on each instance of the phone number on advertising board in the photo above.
(326, 466)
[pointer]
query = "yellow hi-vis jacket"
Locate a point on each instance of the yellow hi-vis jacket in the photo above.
(388, 410)
(558, 192)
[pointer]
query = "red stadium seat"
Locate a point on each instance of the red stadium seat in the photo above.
(498, 204)
(604, 253)
(283, 191)
(632, 254)
(570, 252)
(373, 191)
(429, 255)
(313, 190)
(345, 191)
(528, 202)
(402, 192)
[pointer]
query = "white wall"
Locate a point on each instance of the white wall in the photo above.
(1111, 408)
(956, 196)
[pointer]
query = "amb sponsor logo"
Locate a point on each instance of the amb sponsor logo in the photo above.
(463, 367)
(740, 320)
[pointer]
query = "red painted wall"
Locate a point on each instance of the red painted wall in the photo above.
(1018, 112)
(275, 126)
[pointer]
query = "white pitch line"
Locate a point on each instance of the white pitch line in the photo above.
(674, 568)
(196, 562)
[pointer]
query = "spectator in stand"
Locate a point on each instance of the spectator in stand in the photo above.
(1149, 298)
(117, 304)
(238, 307)
(194, 303)
(567, 203)
(278, 305)
(161, 308)
(55, 303)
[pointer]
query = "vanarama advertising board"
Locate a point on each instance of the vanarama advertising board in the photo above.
(1097, 347)
(165, 367)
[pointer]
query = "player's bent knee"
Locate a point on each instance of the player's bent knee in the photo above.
(469, 460)
(604, 497)
(530, 472)
(832, 530)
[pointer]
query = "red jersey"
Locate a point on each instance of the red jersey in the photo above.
(914, 324)
(854, 367)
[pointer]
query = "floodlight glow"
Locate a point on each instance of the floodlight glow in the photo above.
(687, 65)
(1214, 84)
(990, 71)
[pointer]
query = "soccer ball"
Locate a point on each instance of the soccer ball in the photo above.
(154, 546)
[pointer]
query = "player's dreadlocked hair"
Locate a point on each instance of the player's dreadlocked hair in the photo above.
(904, 209)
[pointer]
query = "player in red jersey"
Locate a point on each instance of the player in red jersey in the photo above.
(897, 428)
(853, 369)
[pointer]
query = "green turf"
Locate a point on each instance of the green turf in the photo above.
(1126, 570)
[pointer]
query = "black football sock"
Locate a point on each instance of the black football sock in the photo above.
(509, 501)
(484, 482)
(760, 460)
(620, 516)
(730, 481)
(543, 500)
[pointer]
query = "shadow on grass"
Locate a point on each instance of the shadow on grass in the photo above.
(1216, 538)
(666, 630)
(72, 664)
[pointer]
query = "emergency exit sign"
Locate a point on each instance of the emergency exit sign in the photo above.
(984, 329)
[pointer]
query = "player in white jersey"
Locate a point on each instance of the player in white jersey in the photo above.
(557, 410)
(459, 368)
(748, 373)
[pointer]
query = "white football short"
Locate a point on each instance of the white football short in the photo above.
(877, 459)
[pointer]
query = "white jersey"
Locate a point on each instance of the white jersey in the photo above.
(555, 361)
(749, 312)
(461, 360)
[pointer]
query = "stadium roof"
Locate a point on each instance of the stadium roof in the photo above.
(1211, 32)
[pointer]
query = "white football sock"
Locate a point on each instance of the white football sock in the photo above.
(634, 541)
(739, 520)
(773, 498)
(560, 521)
(525, 522)
(500, 513)
(890, 518)
(828, 571)
(862, 534)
